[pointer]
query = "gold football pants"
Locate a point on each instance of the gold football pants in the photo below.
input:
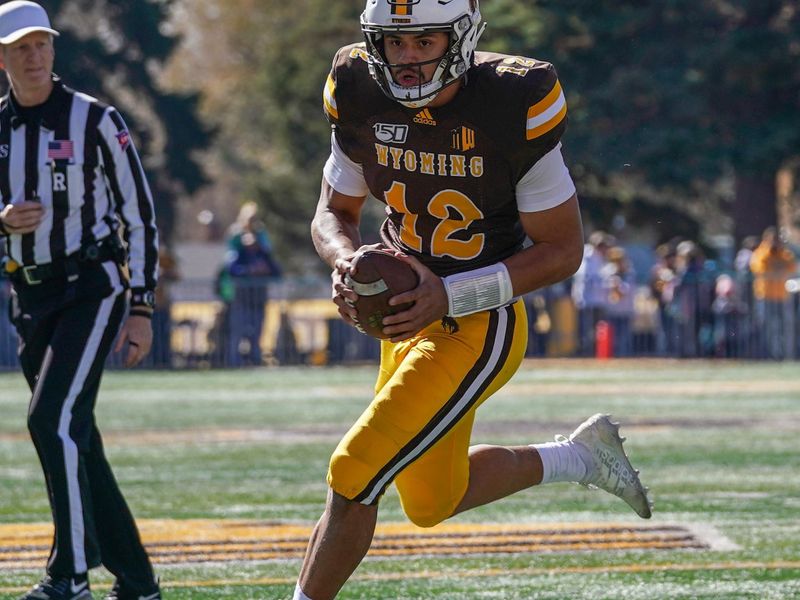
(416, 431)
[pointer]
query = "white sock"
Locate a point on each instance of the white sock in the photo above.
(298, 593)
(563, 461)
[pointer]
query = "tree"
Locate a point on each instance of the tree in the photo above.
(753, 91)
(260, 67)
(114, 50)
(670, 102)
(676, 94)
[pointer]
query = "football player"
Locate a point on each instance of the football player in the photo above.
(464, 150)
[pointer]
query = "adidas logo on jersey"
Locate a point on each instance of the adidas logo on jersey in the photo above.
(424, 117)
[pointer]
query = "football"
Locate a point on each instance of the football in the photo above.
(377, 275)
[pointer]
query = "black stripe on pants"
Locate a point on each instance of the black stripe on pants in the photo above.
(67, 337)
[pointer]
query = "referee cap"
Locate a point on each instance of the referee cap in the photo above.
(19, 18)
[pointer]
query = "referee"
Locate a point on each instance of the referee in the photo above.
(69, 179)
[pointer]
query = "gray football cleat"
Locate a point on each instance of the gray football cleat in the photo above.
(611, 470)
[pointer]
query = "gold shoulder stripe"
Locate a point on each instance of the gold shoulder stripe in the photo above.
(547, 113)
(329, 98)
(359, 53)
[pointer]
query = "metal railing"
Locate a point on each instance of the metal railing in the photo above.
(294, 323)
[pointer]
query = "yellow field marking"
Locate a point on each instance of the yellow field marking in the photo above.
(205, 540)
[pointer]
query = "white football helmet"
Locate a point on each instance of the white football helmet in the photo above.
(461, 19)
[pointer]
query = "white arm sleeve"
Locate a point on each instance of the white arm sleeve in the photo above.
(344, 175)
(546, 185)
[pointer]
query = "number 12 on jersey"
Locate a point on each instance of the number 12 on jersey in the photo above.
(443, 242)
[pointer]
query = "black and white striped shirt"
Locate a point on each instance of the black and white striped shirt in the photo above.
(75, 156)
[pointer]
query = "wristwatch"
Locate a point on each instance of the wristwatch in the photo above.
(144, 298)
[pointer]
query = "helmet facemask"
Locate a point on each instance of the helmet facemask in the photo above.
(463, 33)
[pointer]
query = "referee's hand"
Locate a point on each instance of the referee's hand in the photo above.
(137, 335)
(23, 217)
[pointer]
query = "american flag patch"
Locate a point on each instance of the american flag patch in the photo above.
(124, 139)
(60, 150)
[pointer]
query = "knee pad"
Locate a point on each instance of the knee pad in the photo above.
(427, 515)
(348, 475)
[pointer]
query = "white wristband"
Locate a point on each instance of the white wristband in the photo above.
(480, 289)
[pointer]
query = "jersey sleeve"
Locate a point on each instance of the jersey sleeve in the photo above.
(329, 99)
(543, 114)
(546, 185)
(344, 79)
(339, 102)
(344, 175)
(546, 116)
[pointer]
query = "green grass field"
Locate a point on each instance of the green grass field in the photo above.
(717, 442)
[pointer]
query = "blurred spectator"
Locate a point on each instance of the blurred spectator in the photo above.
(691, 303)
(744, 291)
(539, 322)
(218, 342)
(662, 288)
(743, 273)
(250, 265)
(588, 291)
(728, 310)
(742, 261)
(771, 264)
(620, 284)
(161, 352)
(248, 221)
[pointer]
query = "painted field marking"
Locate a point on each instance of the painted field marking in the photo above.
(526, 571)
(473, 574)
(24, 546)
(169, 541)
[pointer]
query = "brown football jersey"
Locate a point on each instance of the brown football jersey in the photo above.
(448, 174)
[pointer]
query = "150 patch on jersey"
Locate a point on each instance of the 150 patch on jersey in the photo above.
(391, 132)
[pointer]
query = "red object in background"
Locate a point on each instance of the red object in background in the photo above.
(604, 340)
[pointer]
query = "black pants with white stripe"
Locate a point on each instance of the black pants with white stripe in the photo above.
(66, 329)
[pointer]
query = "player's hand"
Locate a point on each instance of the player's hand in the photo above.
(343, 296)
(23, 217)
(137, 335)
(430, 304)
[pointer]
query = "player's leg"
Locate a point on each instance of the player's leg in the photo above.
(344, 522)
(338, 544)
(592, 456)
(448, 479)
(426, 385)
(343, 534)
(435, 486)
